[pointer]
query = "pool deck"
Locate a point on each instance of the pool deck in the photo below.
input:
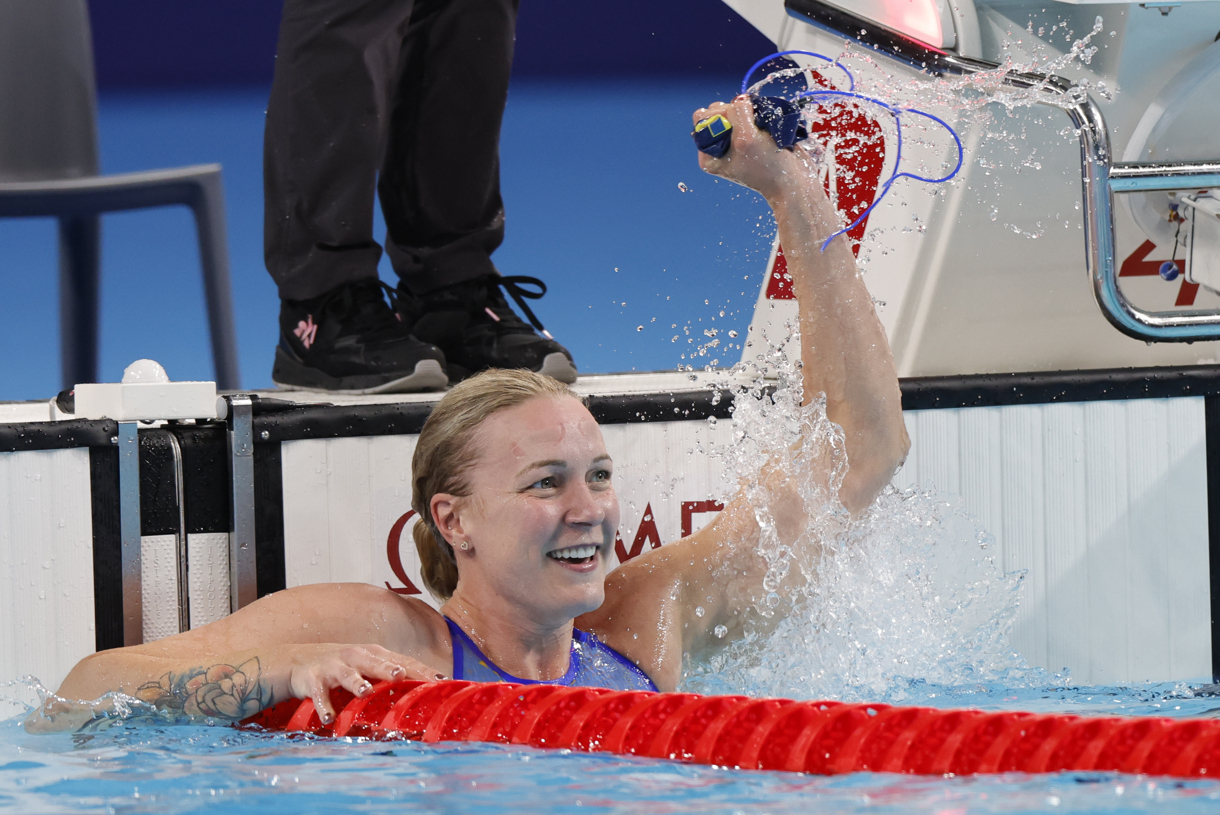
(624, 384)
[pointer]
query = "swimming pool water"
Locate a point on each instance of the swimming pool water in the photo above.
(135, 769)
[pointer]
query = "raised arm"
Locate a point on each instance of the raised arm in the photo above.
(844, 355)
(292, 644)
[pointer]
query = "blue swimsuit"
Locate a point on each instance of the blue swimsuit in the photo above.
(593, 664)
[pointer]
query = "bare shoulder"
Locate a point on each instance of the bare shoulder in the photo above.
(362, 613)
(650, 614)
(639, 587)
(350, 613)
(644, 578)
(641, 615)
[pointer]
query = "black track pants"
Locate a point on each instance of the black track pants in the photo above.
(411, 90)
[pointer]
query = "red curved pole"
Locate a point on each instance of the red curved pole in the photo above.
(764, 734)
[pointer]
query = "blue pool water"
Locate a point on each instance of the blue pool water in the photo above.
(212, 769)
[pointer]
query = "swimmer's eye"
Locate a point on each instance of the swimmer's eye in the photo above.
(600, 477)
(548, 483)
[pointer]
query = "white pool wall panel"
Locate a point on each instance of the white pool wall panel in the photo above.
(1104, 505)
(46, 557)
(663, 465)
(341, 499)
(208, 576)
(159, 585)
(343, 496)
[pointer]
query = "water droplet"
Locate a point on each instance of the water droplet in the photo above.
(639, 328)
(683, 187)
(720, 631)
(700, 611)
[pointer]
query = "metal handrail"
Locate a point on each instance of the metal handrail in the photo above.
(1101, 177)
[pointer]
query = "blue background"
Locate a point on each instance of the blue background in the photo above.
(595, 144)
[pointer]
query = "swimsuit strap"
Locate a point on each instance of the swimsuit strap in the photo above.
(592, 664)
(591, 640)
(464, 646)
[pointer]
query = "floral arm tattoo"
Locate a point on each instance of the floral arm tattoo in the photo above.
(219, 692)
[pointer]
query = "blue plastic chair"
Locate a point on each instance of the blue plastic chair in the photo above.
(49, 167)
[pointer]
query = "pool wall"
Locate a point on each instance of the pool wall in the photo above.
(1094, 483)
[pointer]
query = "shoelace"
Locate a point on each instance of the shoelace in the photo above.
(513, 285)
(364, 297)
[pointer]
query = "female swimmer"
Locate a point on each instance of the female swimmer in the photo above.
(513, 479)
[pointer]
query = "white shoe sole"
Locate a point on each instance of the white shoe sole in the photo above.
(558, 366)
(427, 376)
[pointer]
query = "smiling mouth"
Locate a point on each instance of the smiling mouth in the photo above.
(576, 555)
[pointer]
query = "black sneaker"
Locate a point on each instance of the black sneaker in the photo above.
(475, 327)
(349, 340)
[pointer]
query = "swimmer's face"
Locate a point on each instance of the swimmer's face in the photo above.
(542, 513)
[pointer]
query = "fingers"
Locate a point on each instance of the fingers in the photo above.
(376, 662)
(740, 114)
(752, 160)
(345, 677)
(414, 669)
(353, 668)
(321, 703)
(708, 112)
(353, 682)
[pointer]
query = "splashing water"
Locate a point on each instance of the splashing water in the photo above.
(973, 92)
(115, 709)
(889, 604)
(907, 599)
(979, 104)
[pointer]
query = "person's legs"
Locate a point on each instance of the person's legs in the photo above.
(336, 68)
(440, 190)
(440, 181)
(336, 71)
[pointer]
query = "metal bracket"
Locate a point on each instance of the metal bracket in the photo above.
(1100, 175)
(129, 533)
(1157, 326)
(243, 571)
(184, 593)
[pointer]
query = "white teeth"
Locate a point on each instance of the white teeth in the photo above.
(575, 553)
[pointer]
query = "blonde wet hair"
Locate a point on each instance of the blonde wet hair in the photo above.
(444, 455)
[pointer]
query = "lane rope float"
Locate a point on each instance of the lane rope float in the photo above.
(823, 738)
